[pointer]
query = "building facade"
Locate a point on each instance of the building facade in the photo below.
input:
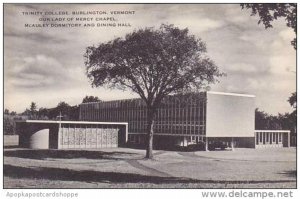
(207, 118)
(46, 134)
(183, 119)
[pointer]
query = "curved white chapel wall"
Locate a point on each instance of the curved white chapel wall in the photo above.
(39, 140)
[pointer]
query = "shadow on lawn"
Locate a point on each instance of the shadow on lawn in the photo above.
(291, 173)
(48, 173)
(67, 154)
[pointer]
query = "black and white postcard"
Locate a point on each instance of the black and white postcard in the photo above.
(150, 96)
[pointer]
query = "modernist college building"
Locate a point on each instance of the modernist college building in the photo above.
(191, 118)
(181, 120)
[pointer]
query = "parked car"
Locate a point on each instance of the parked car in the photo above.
(200, 146)
(217, 145)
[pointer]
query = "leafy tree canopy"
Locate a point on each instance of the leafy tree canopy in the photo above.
(6, 111)
(90, 99)
(152, 63)
(293, 100)
(269, 12)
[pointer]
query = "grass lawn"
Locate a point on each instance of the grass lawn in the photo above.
(127, 168)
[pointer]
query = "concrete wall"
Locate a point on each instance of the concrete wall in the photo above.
(88, 136)
(37, 135)
(11, 140)
(48, 134)
(230, 115)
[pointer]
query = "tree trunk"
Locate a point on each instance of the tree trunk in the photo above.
(150, 125)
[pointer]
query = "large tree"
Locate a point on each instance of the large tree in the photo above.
(268, 12)
(62, 109)
(152, 63)
(32, 111)
(43, 113)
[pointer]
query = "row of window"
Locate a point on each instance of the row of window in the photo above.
(136, 139)
(268, 138)
(140, 139)
(162, 115)
(131, 115)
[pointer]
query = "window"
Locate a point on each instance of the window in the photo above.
(138, 139)
(193, 138)
(132, 138)
(280, 137)
(260, 136)
(188, 138)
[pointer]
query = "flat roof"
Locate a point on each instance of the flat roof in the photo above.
(232, 94)
(210, 92)
(275, 131)
(70, 122)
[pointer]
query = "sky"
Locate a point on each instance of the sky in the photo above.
(46, 65)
